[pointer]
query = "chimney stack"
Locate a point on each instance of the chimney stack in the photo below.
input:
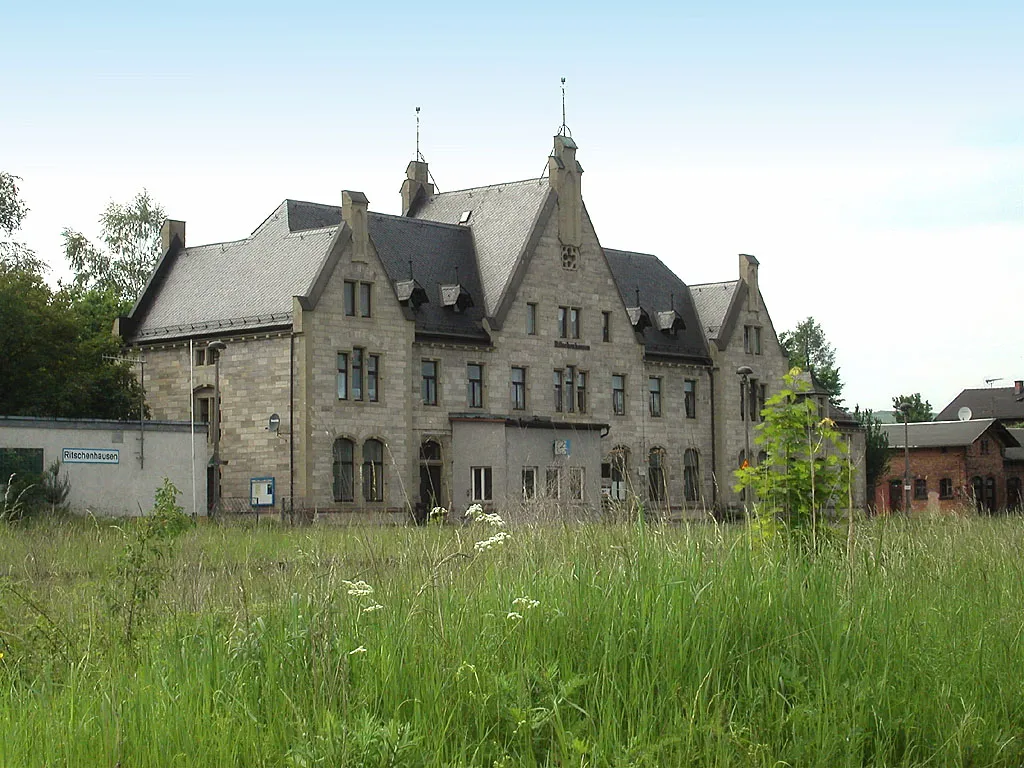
(1018, 387)
(748, 276)
(417, 182)
(564, 173)
(168, 230)
(353, 212)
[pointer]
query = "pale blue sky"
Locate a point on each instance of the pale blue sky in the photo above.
(871, 157)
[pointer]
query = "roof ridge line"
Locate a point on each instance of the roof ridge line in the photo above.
(417, 220)
(487, 186)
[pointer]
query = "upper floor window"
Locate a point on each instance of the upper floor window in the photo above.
(475, 385)
(606, 326)
(570, 389)
(358, 375)
(559, 374)
(618, 394)
(343, 376)
(984, 446)
(531, 319)
(429, 383)
(654, 395)
(569, 322)
(690, 398)
(518, 389)
(357, 298)
(752, 339)
(581, 391)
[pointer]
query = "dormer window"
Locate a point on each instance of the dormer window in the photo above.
(670, 322)
(456, 298)
(570, 257)
(464, 218)
(638, 318)
(411, 293)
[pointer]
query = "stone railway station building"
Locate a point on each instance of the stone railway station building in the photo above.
(481, 347)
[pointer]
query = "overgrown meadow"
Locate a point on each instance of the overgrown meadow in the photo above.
(626, 645)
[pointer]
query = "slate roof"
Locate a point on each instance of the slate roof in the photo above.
(936, 434)
(660, 289)
(992, 403)
(501, 220)
(238, 285)
(712, 301)
(1016, 454)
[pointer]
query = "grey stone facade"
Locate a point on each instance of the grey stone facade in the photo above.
(508, 283)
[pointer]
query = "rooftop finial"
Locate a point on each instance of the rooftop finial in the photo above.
(672, 301)
(410, 269)
(564, 130)
(638, 294)
(419, 155)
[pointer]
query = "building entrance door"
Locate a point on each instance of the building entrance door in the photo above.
(895, 495)
(430, 480)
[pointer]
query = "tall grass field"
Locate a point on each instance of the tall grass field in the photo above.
(626, 645)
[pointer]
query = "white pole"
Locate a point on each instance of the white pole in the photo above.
(192, 425)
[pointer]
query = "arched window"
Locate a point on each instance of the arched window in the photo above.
(656, 474)
(373, 470)
(977, 489)
(990, 493)
(343, 469)
(691, 475)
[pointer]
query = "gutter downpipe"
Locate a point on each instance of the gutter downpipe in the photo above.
(714, 452)
(291, 430)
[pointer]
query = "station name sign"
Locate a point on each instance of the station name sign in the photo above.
(90, 456)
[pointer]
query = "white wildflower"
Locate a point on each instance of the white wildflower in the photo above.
(474, 510)
(373, 608)
(358, 588)
(360, 649)
(486, 544)
(526, 602)
(438, 513)
(513, 616)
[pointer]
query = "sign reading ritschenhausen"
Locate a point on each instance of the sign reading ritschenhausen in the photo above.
(90, 456)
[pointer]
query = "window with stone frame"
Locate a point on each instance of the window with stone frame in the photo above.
(691, 475)
(568, 322)
(558, 377)
(529, 483)
(358, 375)
(752, 339)
(429, 382)
(606, 326)
(690, 398)
(576, 483)
(657, 490)
(618, 394)
(475, 385)
(570, 257)
(654, 396)
(518, 388)
(531, 319)
(553, 482)
(373, 470)
(343, 469)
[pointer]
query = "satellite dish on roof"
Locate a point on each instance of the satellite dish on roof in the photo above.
(964, 414)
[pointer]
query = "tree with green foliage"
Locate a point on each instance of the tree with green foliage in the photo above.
(876, 448)
(12, 212)
(807, 348)
(131, 236)
(806, 472)
(917, 410)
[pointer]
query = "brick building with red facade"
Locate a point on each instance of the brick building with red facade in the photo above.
(954, 465)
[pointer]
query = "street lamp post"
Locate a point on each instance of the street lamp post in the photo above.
(905, 407)
(217, 347)
(745, 371)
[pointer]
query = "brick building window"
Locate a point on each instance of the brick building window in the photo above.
(920, 488)
(429, 382)
(475, 385)
(654, 396)
(618, 394)
(373, 470)
(1014, 498)
(690, 398)
(343, 469)
(945, 488)
(518, 389)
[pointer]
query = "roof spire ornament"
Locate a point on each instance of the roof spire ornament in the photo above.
(419, 155)
(564, 130)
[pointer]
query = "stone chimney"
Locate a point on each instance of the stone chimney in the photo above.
(1018, 388)
(417, 180)
(168, 230)
(564, 173)
(748, 276)
(353, 212)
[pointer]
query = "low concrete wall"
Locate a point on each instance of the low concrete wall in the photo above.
(114, 468)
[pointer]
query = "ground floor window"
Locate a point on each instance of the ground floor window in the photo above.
(656, 489)
(576, 483)
(343, 470)
(1013, 493)
(691, 475)
(529, 483)
(373, 470)
(482, 484)
(553, 482)
(945, 488)
(920, 488)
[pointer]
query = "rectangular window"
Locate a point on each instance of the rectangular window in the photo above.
(570, 386)
(482, 484)
(576, 483)
(372, 377)
(569, 322)
(350, 298)
(752, 399)
(563, 322)
(553, 482)
(752, 339)
(606, 326)
(356, 385)
(920, 488)
(200, 356)
(343, 376)
(654, 399)
(475, 385)
(945, 488)
(429, 385)
(743, 402)
(762, 395)
(518, 389)
(559, 375)
(364, 299)
(204, 407)
(581, 391)
(690, 398)
(531, 319)
(574, 322)
(529, 483)
(618, 394)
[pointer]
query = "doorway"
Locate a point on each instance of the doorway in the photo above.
(430, 480)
